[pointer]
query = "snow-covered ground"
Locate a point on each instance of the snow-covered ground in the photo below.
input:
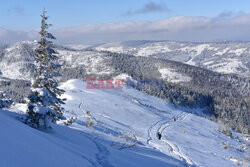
(172, 76)
(16, 59)
(123, 133)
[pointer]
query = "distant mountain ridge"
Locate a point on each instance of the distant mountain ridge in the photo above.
(16, 62)
(223, 57)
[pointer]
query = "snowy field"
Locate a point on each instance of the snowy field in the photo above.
(124, 124)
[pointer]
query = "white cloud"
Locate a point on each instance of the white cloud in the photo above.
(178, 28)
(149, 7)
(11, 36)
(229, 13)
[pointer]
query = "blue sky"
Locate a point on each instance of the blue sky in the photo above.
(24, 14)
(94, 19)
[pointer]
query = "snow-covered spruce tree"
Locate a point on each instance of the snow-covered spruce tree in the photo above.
(5, 100)
(44, 103)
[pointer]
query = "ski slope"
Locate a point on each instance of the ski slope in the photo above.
(123, 133)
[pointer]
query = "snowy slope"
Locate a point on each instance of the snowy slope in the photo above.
(171, 76)
(17, 60)
(231, 57)
(191, 139)
(63, 146)
(125, 123)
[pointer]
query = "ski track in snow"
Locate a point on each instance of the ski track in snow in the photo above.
(163, 120)
(174, 150)
(103, 153)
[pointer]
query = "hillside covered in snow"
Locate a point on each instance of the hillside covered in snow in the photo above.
(225, 96)
(223, 57)
(123, 132)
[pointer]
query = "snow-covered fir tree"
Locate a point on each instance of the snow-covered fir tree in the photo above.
(5, 100)
(44, 103)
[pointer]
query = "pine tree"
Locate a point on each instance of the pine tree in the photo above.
(5, 100)
(44, 103)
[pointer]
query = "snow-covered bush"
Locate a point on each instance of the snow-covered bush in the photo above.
(5, 100)
(69, 121)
